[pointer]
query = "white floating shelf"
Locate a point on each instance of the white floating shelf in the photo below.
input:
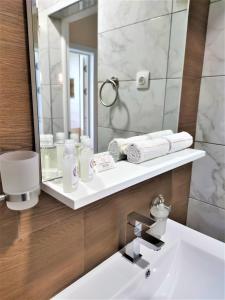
(123, 176)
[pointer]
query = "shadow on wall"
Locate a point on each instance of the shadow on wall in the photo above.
(120, 109)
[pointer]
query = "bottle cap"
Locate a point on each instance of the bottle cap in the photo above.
(60, 137)
(46, 140)
(75, 137)
(85, 140)
(69, 147)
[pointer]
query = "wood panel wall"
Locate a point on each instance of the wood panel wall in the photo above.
(15, 105)
(44, 249)
(193, 63)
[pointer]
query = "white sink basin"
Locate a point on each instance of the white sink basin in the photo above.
(189, 266)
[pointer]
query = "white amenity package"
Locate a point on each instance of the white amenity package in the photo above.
(138, 150)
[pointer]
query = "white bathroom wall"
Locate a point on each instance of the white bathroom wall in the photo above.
(49, 45)
(206, 211)
(134, 36)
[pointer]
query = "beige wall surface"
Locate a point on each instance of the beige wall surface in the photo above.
(84, 32)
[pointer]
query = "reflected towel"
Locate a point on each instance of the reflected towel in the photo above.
(145, 150)
(179, 141)
(118, 147)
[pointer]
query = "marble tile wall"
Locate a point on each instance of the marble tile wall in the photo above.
(145, 35)
(49, 44)
(206, 211)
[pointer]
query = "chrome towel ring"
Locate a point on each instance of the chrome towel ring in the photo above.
(115, 84)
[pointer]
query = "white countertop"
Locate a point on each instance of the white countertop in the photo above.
(123, 176)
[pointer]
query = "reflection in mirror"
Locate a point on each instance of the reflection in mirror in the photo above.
(80, 46)
(66, 68)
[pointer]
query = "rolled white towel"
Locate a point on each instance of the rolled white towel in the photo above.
(179, 141)
(118, 146)
(146, 150)
(159, 134)
(115, 149)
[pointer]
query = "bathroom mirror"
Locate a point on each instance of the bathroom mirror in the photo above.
(79, 47)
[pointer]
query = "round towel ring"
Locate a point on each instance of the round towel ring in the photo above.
(115, 84)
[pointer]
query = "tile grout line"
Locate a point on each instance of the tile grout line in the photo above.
(142, 21)
(206, 203)
(122, 130)
(216, 144)
(167, 67)
(134, 80)
(212, 76)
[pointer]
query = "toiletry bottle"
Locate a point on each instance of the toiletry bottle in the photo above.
(75, 137)
(70, 177)
(159, 212)
(86, 159)
(47, 156)
(59, 142)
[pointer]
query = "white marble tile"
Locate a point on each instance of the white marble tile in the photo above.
(114, 14)
(42, 31)
(177, 44)
(44, 66)
(45, 126)
(143, 46)
(208, 175)
(211, 111)
(57, 101)
(45, 101)
(54, 33)
(45, 4)
(172, 104)
(136, 110)
(105, 135)
(55, 66)
(180, 5)
(57, 125)
(214, 58)
(207, 219)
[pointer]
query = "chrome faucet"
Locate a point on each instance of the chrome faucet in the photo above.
(136, 222)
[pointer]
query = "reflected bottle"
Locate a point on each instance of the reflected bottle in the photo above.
(70, 176)
(48, 153)
(86, 170)
(60, 141)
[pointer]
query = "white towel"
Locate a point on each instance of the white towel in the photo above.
(159, 134)
(118, 146)
(179, 141)
(146, 150)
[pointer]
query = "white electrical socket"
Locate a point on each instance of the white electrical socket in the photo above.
(142, 79)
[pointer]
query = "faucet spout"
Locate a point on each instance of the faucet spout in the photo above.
(132, 250)
(150, 241)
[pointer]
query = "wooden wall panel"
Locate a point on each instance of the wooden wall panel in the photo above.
(180, 188)
(44, 249)
(15, 105)
(193, 63)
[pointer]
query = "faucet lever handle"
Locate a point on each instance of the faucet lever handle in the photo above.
(134, 217)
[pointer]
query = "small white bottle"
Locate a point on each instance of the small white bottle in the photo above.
(86, 170)
(60, 141)
(70, 177)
